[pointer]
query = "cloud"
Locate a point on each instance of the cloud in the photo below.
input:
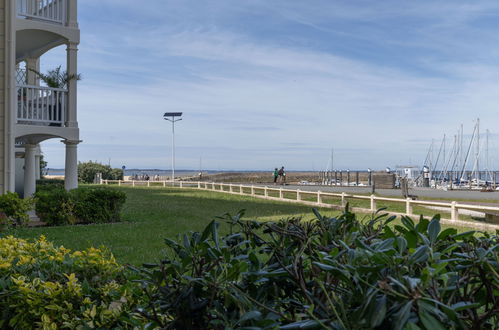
(280, 82)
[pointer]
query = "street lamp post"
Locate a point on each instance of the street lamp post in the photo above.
(173, 115)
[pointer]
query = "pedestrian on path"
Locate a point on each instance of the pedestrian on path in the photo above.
(282, 175)
(276, 175)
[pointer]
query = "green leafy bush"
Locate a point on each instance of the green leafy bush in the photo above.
(15, 209)
(44, 184)
(88, 170)
(43, 286)
(334, 273)
(97, 205)
(56, 206)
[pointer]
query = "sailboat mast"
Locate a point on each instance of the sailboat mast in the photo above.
(332, 159)
(477, 152)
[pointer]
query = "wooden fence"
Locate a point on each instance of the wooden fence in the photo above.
(320, 199)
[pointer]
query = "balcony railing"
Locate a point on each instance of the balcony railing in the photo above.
(46, 10)
(41, 105)
(21, 77)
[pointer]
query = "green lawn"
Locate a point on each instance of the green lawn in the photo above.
(152, 214)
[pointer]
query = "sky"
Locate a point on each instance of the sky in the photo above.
(263, 84)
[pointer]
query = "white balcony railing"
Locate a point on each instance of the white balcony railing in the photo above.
(41, 105)
(47, 10)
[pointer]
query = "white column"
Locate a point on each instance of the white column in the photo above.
(37, 167)
(31, 77)
(71, 168)
(72, 14)
(29, 170)
(72, 69)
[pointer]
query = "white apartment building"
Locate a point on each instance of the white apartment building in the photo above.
(31, 113)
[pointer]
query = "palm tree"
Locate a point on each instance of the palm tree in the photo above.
(57, 78)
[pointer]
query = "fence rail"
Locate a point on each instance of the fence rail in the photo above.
(297, 196)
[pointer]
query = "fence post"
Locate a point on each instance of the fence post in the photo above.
(148, 183)
(180, 184)
(213, 185)
(281, 196)
(453, 211)
(199, 185)
(343, 200)
(373, 203)
(298, 195)
(241, 189)
(265, 192)
(408, 206)
(319, 197)
(133, 183)
(164, 183)
(252, 190)
(119, 182)
(230, 187)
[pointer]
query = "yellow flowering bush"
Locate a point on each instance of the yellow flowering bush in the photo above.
(43, 286)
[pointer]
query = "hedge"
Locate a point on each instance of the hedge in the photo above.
(56, 206)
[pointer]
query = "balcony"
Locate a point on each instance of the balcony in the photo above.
(54, 11)
(43, 106)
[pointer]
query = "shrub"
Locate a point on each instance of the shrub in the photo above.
(335, 273)
(45, 184)
(97, 205)
(42, 286)
(88, 170)
(15, 209)
(54, 206)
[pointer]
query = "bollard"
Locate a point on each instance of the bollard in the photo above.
(298, 195)
(373, 203)
(408, 206)
(453, 211)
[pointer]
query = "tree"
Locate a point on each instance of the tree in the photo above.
(57, 78)
(43, 167)
(88, 170)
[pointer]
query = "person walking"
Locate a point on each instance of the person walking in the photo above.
(276, 175)
(282, 175)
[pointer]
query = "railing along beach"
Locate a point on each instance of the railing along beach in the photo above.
(297, 196)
